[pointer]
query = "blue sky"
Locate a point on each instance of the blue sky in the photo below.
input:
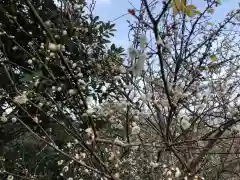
(111, 9)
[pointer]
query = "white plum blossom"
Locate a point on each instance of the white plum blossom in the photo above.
(65, 169)
(111, 157)
(135, 129)
(142, 41)
(59, 89)
(185, 124)
(122, 69)
(90, 111)
(116, 175)
(10, 177)
(30, 61)
(133, 53)
(64, 33)
(139, 65)
(89, 131)
(53, 47)
(178, 172)
(35, 119)
(22, 99)
(14, 119)
(72, 91)
(74, 65)
(48, 23)
(154, 164)
(135, 118)
(83, 155)
(69, 145)
(169, 173)
(60, 162)
(118, 141)
(77, 156)
(3, 118)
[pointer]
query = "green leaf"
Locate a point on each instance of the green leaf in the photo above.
(106, 35)
(112, 26)
(190, 10)
(96, 18)
(210, 23)
(113, 47)
(213, 58)
(106, 41)
(197, 12)
(101, 29)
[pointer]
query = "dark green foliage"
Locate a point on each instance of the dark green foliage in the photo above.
(24, 38)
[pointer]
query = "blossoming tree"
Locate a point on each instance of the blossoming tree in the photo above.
(169, 110)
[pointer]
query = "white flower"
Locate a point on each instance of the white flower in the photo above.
(135, 118)
(135, 129)
(119, 126)
(169, 173)
(14, 48)
(30, 61)
(132, 53)
(60, 162)
(35, 119)
(143, 41)
(77, 156)
(77, 6)
(195, 177)
(69, 145)
(185, 124)
(52, 54)
(53, 47)
(80, 75)
(72, 91)
(64, 32)
(153, 164)
(48, 23)
(74, 65)
(116, 175)
(65, 168)
(70, 178)
(40, 104)
(139, 65)
(111, 156)
(83, 155)
(20, 99)
(90, 111)
(14, 119)
(122, 69)
(4, 118)
(118, 141)
(177, 173)
(117, 78)
(10, 177)
(89, 131)
(59, 89)
(80, 81)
